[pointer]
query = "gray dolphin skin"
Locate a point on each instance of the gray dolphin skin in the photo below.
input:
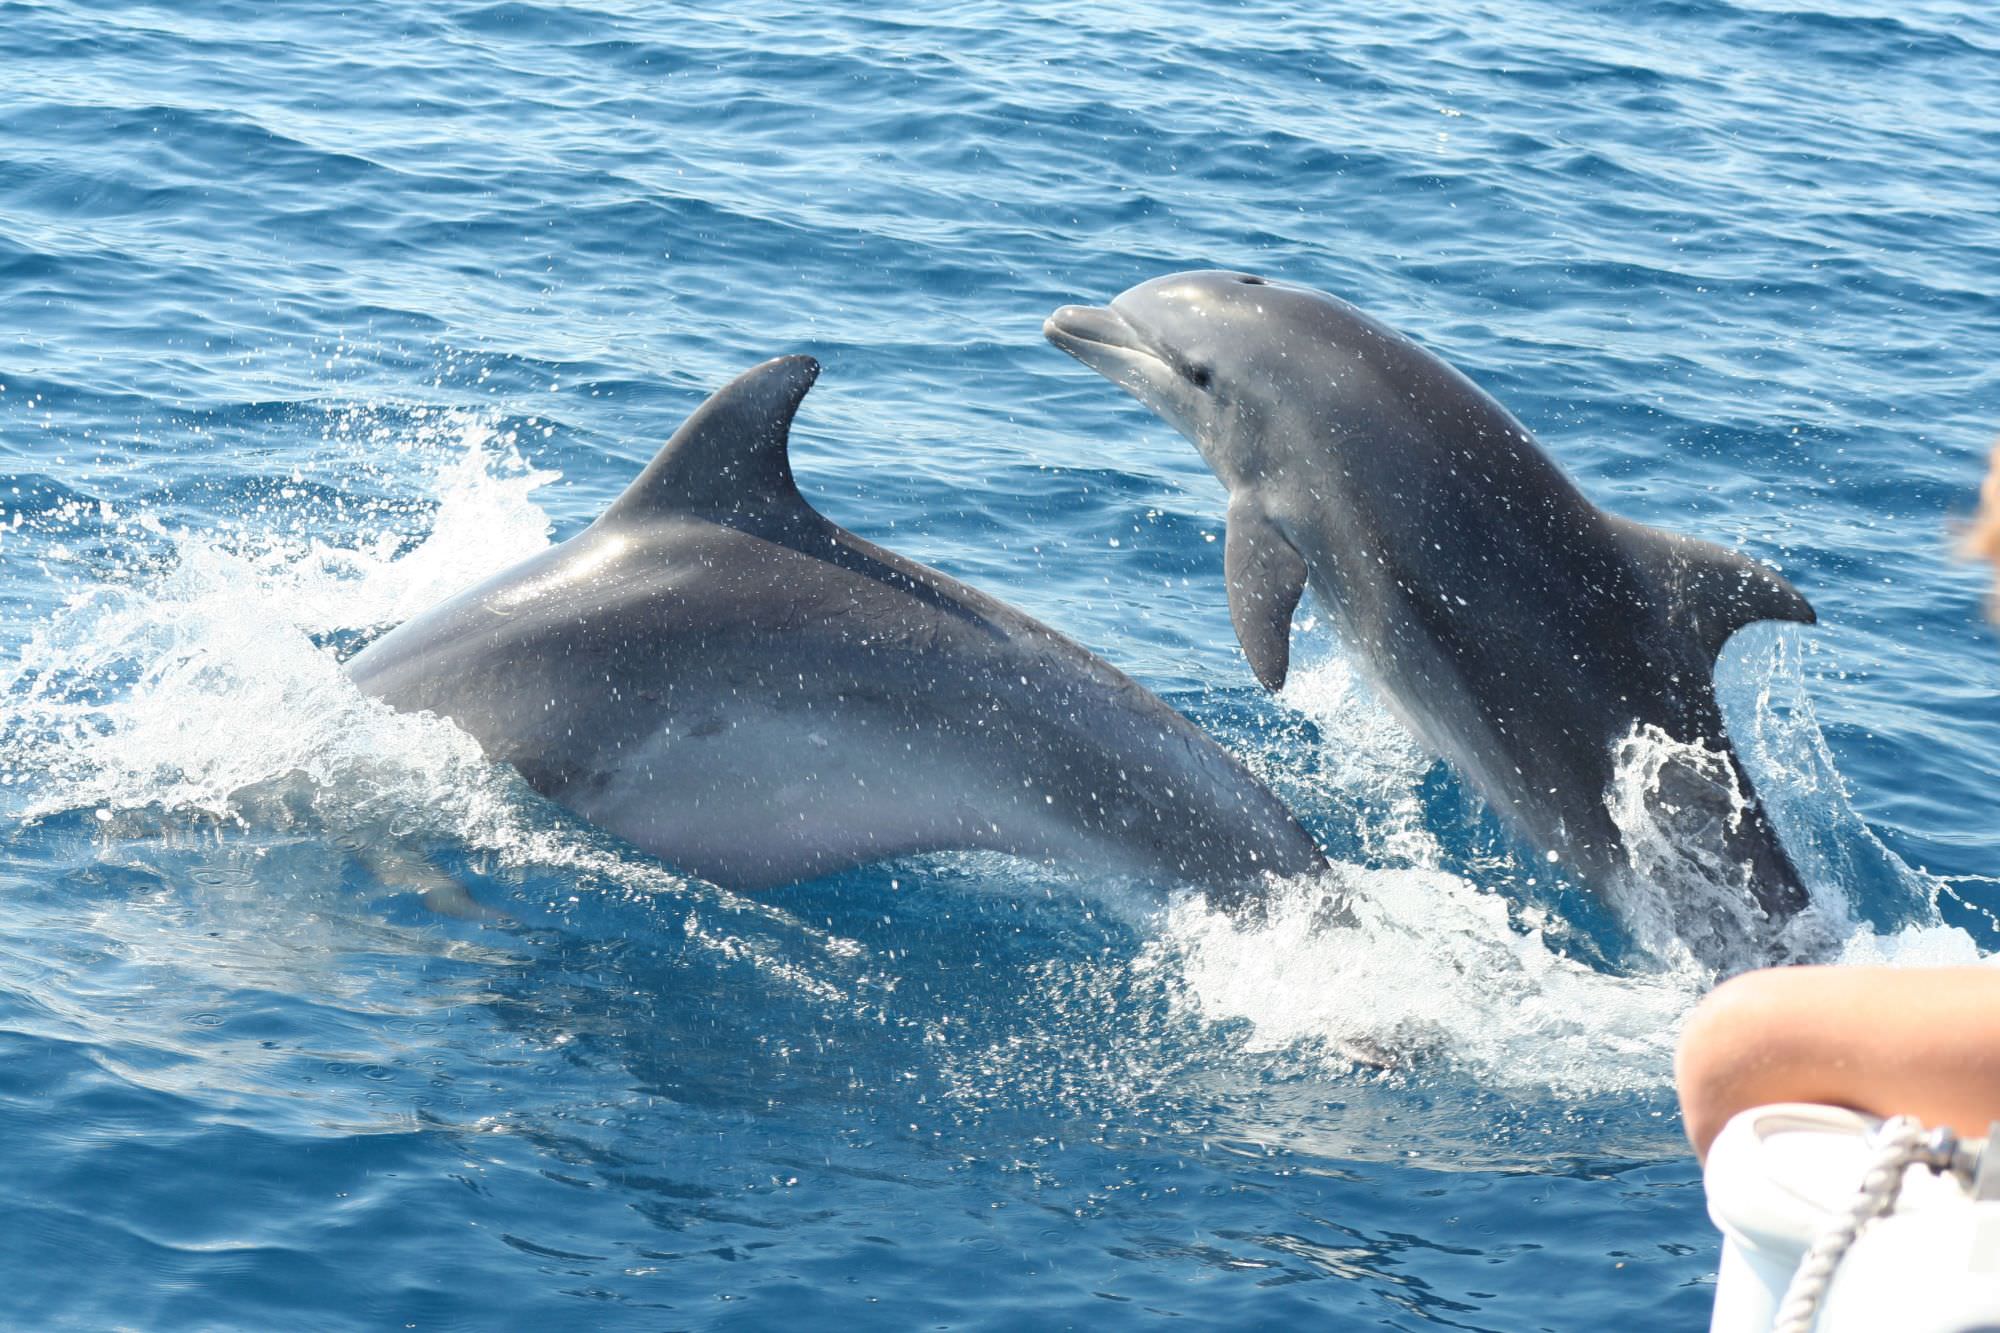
(1517, 629)
(725, 678)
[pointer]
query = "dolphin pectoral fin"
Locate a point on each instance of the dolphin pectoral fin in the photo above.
(1266, 577)
(1712, 591)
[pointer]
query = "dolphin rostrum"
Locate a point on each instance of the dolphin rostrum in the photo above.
(720, 675)
(1518, 630)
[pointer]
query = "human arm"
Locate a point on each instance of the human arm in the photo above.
(1882, 1040)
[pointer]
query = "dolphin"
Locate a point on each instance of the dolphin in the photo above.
(1519, 631)
(723, 677)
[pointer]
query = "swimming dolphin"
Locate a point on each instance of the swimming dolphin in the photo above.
(1517, 629)
(720, 675)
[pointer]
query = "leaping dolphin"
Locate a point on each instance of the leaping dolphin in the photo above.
(1517, 629)
(720, 675)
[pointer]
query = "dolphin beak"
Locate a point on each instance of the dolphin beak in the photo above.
(1087, 332)
(1075, 325)
(1101, 338)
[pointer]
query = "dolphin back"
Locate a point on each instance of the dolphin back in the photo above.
(722, 676)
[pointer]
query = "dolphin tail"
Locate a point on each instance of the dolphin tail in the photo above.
(1709, 591)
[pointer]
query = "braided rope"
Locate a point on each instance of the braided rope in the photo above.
(1899, 1144)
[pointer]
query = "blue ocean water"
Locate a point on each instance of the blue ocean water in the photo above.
(316, 313)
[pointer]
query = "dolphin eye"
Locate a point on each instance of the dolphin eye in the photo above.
(1201, 377)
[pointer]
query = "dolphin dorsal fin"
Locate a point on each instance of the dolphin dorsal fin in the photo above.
(1713, 591)
(730, 458)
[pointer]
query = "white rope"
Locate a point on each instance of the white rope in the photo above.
(1899, 1145)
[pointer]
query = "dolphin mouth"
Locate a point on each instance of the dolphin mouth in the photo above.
(1099, 337)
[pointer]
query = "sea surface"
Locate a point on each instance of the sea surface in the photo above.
(312, 314)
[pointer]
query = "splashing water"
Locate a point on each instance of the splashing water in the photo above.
(202, 682)
(183, 689)
(202, 687)
(1684, 893)
(485, 518)
(1442, 962)
(1683, 898)
(1434, 969)
(1436, 966)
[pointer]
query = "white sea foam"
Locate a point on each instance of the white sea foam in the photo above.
(1436, 965)
(485, 518)
(1442, 964)
(1434, 969)
(183, 690)
(200, 685)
